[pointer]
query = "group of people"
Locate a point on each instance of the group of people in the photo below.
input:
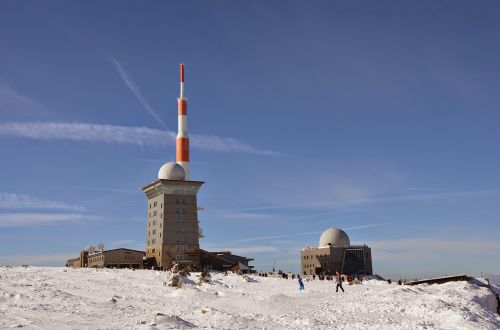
(281, 274)
(338, 279)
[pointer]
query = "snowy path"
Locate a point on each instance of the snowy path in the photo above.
(60, 298)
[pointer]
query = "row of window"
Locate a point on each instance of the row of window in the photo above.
(154, 224)
(94, 259)
(155, 213)
(181, 201)
(178, 220)
(177, 229)
(178, 211)
(154, 232)
(177, 240)
(316, 256)
(181, 239)
(181, 248)
(155, 204)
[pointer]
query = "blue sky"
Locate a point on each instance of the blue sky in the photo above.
(380, 118)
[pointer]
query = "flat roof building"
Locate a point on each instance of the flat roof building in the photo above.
(115, 258)
(172, 222)
(225, 260)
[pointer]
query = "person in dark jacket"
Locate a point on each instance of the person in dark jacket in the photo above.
(301, 284)
(339, 282)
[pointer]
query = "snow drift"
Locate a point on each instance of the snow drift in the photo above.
(60, 298)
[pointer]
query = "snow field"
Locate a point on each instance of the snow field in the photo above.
(62, 298)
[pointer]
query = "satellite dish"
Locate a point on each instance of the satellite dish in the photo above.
(100, 246)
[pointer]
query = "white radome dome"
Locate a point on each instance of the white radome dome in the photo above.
(171, 171)
(334, 237)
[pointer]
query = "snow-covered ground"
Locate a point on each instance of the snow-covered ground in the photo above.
(61, 298)
(495, 283)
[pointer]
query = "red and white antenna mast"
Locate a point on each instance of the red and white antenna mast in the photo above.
(182, 142)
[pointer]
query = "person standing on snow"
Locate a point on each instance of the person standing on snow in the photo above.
(339, 283)
(301, 284)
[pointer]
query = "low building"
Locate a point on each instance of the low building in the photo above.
(73, 263)
(225, 260)
(116, 258)
(335, 253)
(80, 261)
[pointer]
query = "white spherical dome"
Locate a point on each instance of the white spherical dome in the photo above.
(334, 237)
(171, 171)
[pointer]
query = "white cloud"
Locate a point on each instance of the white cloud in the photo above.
(423, 189)
(366, 226)
(22, 201)
(246, 216)
(87, 132)
(377, 200)
(273, 237)
(423, 248)
(37, 260)
(246, 250)
(25, 219)
(135, 90)
(261, 238)
(140, 136)
(216, 143)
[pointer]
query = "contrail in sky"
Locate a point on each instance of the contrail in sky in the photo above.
(23, 202)
(140, 136)
(135, 90)
(303, 233)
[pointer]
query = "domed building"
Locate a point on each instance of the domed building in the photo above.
(335, 253)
